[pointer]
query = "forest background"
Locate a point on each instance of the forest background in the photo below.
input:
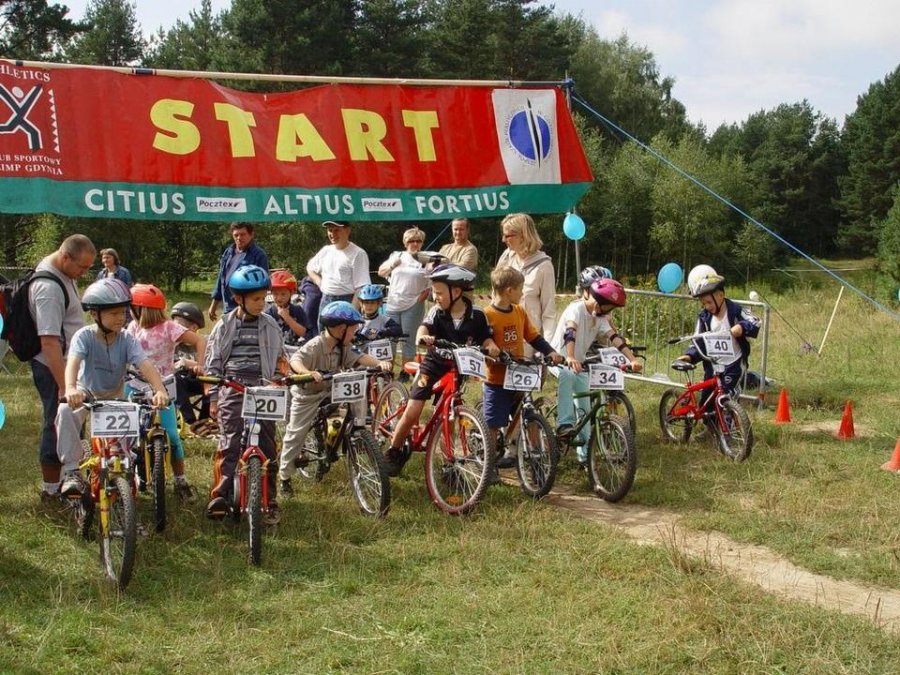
(831, 190)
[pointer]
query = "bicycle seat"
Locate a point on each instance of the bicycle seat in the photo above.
(683, 366)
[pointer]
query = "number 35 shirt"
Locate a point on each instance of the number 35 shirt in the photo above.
(315, 355)
(512, 329)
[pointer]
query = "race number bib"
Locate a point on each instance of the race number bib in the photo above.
(721, 346)
(146, 388)
(265, 403)
(116, 420)
(380, 349)
(605, 377)
(613, 357)
(348, 387)
(521, 378)
(470, 362)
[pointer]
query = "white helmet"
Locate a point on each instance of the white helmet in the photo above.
(696, 274)
(454, 275)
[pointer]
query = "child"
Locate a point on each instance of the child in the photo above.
(98, 358)
(511, 330)
(189, 316)
(377, 325)
(291, 318)
(581, 323)
(158, 338)
(451, 318)
(245, 345)
(330, 351)
(720, 315)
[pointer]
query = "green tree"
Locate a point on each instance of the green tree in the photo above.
(198, 44)
(35, 30)
(114, 37)
(889, 240)
(389, 39)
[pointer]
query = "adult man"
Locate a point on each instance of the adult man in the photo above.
(244, 251)
(56, 324)
(462, 251)
(340, 268)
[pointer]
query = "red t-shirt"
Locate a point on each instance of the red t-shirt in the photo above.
(512, 329)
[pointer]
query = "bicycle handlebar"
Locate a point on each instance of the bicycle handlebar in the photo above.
(306, 378)
(696, 336)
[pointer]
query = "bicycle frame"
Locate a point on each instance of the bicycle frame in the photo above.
(109, 457)
(686, 404)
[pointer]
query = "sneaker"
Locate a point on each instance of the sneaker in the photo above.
(492, 477)
(287, 490)
(49, 498)
(506, 462)
(273, 515)
(565, 431)
(217, 508)
(583, 465)
(73, 484)
(393, 462)
(185, 492)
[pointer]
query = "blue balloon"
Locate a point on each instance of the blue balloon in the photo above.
(669, 277)
(2, 414)
(574, 227)
(1, 323)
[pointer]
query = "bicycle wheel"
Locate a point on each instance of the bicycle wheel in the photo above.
(612, 457)
(118, 538)
(735, 440)
(371, 486)
(388, 410)
(456, 468)
(618, 403)
(158, 452)
(537, 455)
(675, 428)
(254, 508)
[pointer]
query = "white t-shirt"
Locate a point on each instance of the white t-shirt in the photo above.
(342, 270)
(408, 280)
(588, 328)
(49, 310)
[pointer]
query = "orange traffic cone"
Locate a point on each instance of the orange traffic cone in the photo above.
(893, 464)
(845, 432)
(783, 411)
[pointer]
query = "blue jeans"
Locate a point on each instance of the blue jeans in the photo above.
(569, 384)
(409, 320)
(326, 298)
(45, 384)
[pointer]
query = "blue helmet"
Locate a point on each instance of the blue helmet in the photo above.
(248, 279)
(371, 292)
(340, 312)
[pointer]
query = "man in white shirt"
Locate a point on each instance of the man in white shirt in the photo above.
(340, 268)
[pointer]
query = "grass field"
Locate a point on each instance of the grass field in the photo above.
(517, 587)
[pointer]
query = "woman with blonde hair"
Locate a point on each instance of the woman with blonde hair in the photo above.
(408, 289)
(524, 253)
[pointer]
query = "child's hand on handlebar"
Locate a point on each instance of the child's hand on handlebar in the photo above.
(386, 366)
(556, 358)
(636, 366)
(574, 364)
(316, 375)
(74, 397)
(160, 399)
(493, 351)
(427, 340)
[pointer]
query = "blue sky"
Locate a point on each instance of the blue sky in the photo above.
(729, 58)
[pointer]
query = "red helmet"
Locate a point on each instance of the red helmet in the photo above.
(608, 292)
(284, 279)
(147, 295)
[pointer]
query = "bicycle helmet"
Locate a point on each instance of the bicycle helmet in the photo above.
(454, 275)
(340, 312)
(105, 294)
(590, 274)
(284, 280)
(147, 295)
(248, 279)
(608, 292)
(189, 311)
(371, 292)
(707, 284)
(697, 272)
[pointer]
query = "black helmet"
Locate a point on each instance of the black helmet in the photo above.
(189, 311)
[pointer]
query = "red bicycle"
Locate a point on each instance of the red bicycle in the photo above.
(458, 449)
(706, 402)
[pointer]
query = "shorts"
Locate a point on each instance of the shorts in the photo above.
(430, 371)
(498, 405)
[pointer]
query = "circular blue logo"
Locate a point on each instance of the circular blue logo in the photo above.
(529, 134)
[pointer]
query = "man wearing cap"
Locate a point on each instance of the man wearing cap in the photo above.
(244, 251)
(340, 268)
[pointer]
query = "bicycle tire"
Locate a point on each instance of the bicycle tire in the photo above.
(158, 478)
(618, 403)
(612, 457)
(384, 418)
(536, 462)
(675, 428)
(369, 483)
(254, 509)
(737, 442)
(456, 477)
(118, 540)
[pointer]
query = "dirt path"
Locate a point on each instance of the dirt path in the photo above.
(755, 564)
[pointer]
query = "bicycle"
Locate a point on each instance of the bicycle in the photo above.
(537, 450)
(706, 401)
(382, 349)
(612, 453)
(334, 433)
(109, 475)
(250, 490)
(458, 449)
(618, 402)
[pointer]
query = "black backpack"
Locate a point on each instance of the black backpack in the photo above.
(18, 324)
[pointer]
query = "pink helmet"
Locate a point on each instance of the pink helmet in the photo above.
(608, 292)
